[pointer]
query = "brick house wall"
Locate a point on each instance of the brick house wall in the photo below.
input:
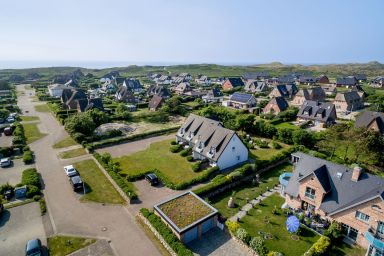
(271, 108)
(323, 80)
(298, 100)
(227, 85)
(274, 93)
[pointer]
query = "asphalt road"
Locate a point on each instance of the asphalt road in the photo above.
(68, 214)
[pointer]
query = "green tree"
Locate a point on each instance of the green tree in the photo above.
(303, 137)
(123, 112)
(98, 117)
(4, 85)
(80, 123)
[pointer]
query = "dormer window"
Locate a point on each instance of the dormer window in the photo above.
(200, 146)
(182, 131)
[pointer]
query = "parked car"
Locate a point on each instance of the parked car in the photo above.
(10, 119)
(152, 179)
(8, 131)
(5, 162)
(2, 120)
(76, 182)
(1, 209)
(70, 171)
(14, 115)
(34, 248)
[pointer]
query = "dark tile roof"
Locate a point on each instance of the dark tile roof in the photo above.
(368, 117)
(316, 111)
(343, 192)
(70, 95)
(280, 102)
(124, 94)
(241, 97)
(215, 92)
(156, 102)
(346, 80)
(307, 79)
(87, 104)
(348, 96)
(158, 90)
(256, 75)
(133, 84)
(236, 81)
(286, 80)
(361, 77)
(287, 90)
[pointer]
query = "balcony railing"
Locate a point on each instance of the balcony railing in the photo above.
(374, 240)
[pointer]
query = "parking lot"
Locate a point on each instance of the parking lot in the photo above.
(5, 141)
(17, 226)
(12, 174)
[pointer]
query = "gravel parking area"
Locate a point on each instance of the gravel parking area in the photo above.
(216, 243)
(5, 141)
(12, 174)
(17, 226)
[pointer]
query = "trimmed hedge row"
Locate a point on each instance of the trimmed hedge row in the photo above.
(109, 142)
(166, 233)
(113, 171)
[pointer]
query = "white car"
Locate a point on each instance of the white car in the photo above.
(10, 119)
(70, 171)
(5, 162)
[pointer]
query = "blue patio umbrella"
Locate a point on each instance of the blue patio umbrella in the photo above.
(292, 224)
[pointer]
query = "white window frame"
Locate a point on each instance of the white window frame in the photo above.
(308, 193)
(362, 216)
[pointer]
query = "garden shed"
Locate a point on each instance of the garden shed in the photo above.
(187, 215)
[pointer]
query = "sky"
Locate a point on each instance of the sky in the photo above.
(199, 31)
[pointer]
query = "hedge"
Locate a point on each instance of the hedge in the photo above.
(117, 177)
(31, 177)
(134, 137)
(166, 233)
(28, 157)
(320, 247)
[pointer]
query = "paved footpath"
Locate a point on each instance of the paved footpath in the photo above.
(68, 215)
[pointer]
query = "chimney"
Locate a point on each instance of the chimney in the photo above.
(356, 173)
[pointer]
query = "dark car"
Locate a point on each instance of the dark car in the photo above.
(152, 179)
(1, 209)
(34, 248)
(76, 182)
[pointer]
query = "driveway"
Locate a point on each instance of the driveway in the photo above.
(216, 243)
(12, 174)
(17, 226)
(68, 214)
(134, 146)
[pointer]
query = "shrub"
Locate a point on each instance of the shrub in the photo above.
(242, 234)
(43, 206)
(30, 177)
(320, 247)
(5, 187)
(175, 148)
(6, 151)
(189, 158)
(257, 244)
(166, 233)
(261, 143)
(185, 152)
(232, 226)
(334, 231)
(32, 191)
(173, 142)
(276, 145)
(196, 166)
(36, 198)
(28, 157)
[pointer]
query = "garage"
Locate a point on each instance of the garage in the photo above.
(190, 235)
(207, 225)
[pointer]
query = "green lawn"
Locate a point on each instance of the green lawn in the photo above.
(32, 132)
(64, 245)
(72, 153)
(42, 108)
(175, 167)
(286, 125)
(29, 118)
(281, 239)
(100, 188)
(267, 179)
(344, 249)
(66, 142)
(267, 153)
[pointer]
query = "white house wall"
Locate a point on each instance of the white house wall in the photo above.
(229, 157)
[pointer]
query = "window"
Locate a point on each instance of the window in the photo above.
(380, 229)
(233, 149)
(310, 193)
(362, 216)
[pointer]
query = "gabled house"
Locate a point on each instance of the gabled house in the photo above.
(213, 96)
(125, 94)
(348, 101)
(69, 97)
(371, 120)
(263, 75)
(339, 193)
(329, 89)
(360, 77)
(211, 142)
(56, 90)
(182, 77)
(241, 101)
(182, 88)
(323, 79)
(109, 76)
(287, 79)
(378, 82)
(84, 105)
(155, 76)
(316, 93)
(158, 90)
(308, 80)
(203, 80)
(254, 86)
(321, 114)
(231, 83)
(284, 90)
(155, 103)
(275, 106)
(346, 81)
(133, 85)
(164, 79)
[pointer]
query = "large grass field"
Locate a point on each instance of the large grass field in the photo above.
(175, 167)
(248, 190)
(64, 245)
(32, 132)
(281, 241)
(72, 153)
(100, 189)
(42, 108)
(66, 142)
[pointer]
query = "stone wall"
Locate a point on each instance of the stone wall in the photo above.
(154, 231)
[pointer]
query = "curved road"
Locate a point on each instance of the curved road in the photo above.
(68, 215)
